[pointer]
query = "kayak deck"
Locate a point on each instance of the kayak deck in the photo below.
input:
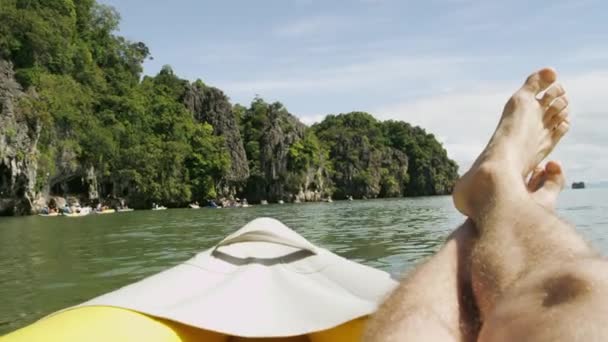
(104, 323)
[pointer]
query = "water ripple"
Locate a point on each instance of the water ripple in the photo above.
(50, 263)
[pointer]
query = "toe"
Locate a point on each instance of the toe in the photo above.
(551, 94)
(553, 168)
(561, 130)
(537, 179)
(557, 119)
(555, 179)
(540, 80)
(558, 106)
(553, 183)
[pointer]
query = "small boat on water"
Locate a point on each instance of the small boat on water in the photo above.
(578, 185)
(125, 210)
(158, 207)
(79, 212)
(74, 214)
(49, 215)
(212, 205)
(194, 206)
(263, 282)
(105, 211)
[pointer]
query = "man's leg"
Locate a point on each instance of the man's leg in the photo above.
(432, 300)
(435, 301)
(534, 278)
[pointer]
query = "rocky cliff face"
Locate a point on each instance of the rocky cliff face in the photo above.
(18, 139)
(210, 105)
(369, 158)
(314, 187)
(281, 131)
(363, 170)
(285, 165)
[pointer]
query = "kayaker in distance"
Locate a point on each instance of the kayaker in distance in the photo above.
(66, 209)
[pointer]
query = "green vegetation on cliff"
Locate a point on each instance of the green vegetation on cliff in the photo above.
(97, 128)
(384, 159)
(286, 160)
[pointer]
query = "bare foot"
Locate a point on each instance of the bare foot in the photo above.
(527, 132)
(545, 184)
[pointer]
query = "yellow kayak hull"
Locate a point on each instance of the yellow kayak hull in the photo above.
(49, 215)
(107, 211)
(76, 214)
(104, 323)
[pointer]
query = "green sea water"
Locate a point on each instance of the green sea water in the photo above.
(48, 263)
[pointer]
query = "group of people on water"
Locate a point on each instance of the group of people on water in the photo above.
(66, 209)
(75, 207)
(233, 203)
(121, 205)
(211, 203)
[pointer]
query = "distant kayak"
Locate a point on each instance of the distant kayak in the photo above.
(49, 215)
(194, 206)
(159, 208)
(125, 210)
(80, 214)
(106, 211)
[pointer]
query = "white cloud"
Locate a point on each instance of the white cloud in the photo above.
(312, 25)
(373, 71)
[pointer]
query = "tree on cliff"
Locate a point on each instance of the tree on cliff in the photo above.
(384, 159)
(285, 158)
(166, 155)
(430, 170)
(362, 164)
(210, 105)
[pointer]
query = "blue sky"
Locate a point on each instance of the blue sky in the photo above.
(447, 65)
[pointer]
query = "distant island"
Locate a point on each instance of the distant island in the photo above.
(78, 122)
(578, 185)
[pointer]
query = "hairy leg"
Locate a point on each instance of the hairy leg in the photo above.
(532, 274)
(435, 301)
